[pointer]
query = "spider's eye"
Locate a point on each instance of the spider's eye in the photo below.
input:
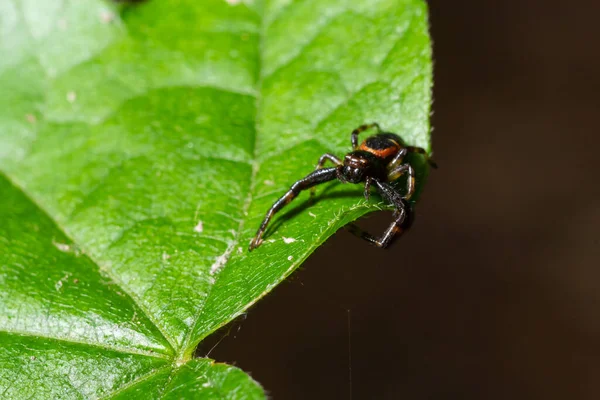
(352, 174)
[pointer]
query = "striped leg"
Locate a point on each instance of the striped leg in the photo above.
(398, 158)
(367, 191)
(396, 229)
(362, 128)
(410, 182)
(324, 158)
(401, 222)
(312, 179)
(420, 150)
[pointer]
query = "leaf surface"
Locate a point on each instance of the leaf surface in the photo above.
(140, 147)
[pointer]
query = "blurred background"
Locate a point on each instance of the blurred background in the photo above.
(494, 293)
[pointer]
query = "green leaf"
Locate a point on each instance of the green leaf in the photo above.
(140, 147)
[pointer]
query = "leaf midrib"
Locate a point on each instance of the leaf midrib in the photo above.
(186, 350)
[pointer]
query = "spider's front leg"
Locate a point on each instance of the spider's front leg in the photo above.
(312, 179)
(402, 217)
(322, 160)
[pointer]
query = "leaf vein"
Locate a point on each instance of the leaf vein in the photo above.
(137, 381)
(119, 349)
(112, 276)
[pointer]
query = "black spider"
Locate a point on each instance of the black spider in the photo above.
(377, 161)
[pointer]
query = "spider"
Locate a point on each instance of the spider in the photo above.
(378, 161)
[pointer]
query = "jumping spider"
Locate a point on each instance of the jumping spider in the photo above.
(378, 161)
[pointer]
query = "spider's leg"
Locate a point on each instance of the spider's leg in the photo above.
(367, 188)
(362, 128)
(397, 160)
(397, 227)
(420, 150)
(312, 179)
(401, 222)
(324, 158)
(410, 182)
(328, 157)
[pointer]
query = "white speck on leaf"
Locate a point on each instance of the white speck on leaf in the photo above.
(71, 97)
(269, 183)
(218, 264)
(199, 227)
(312, 215)
(288, 240)
(59, 284)
(221, 260)
(65, 248)
(165, 256)
(206, 384)
(233, 2)
(106, 16)
(240, 250)
(290, 258)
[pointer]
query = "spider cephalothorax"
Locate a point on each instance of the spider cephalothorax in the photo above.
(378, 161)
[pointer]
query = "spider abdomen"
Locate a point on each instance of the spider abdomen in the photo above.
(383, 145)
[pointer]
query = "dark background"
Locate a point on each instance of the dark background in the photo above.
(494, 293)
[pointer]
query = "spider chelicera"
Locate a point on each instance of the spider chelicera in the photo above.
(378, 161)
